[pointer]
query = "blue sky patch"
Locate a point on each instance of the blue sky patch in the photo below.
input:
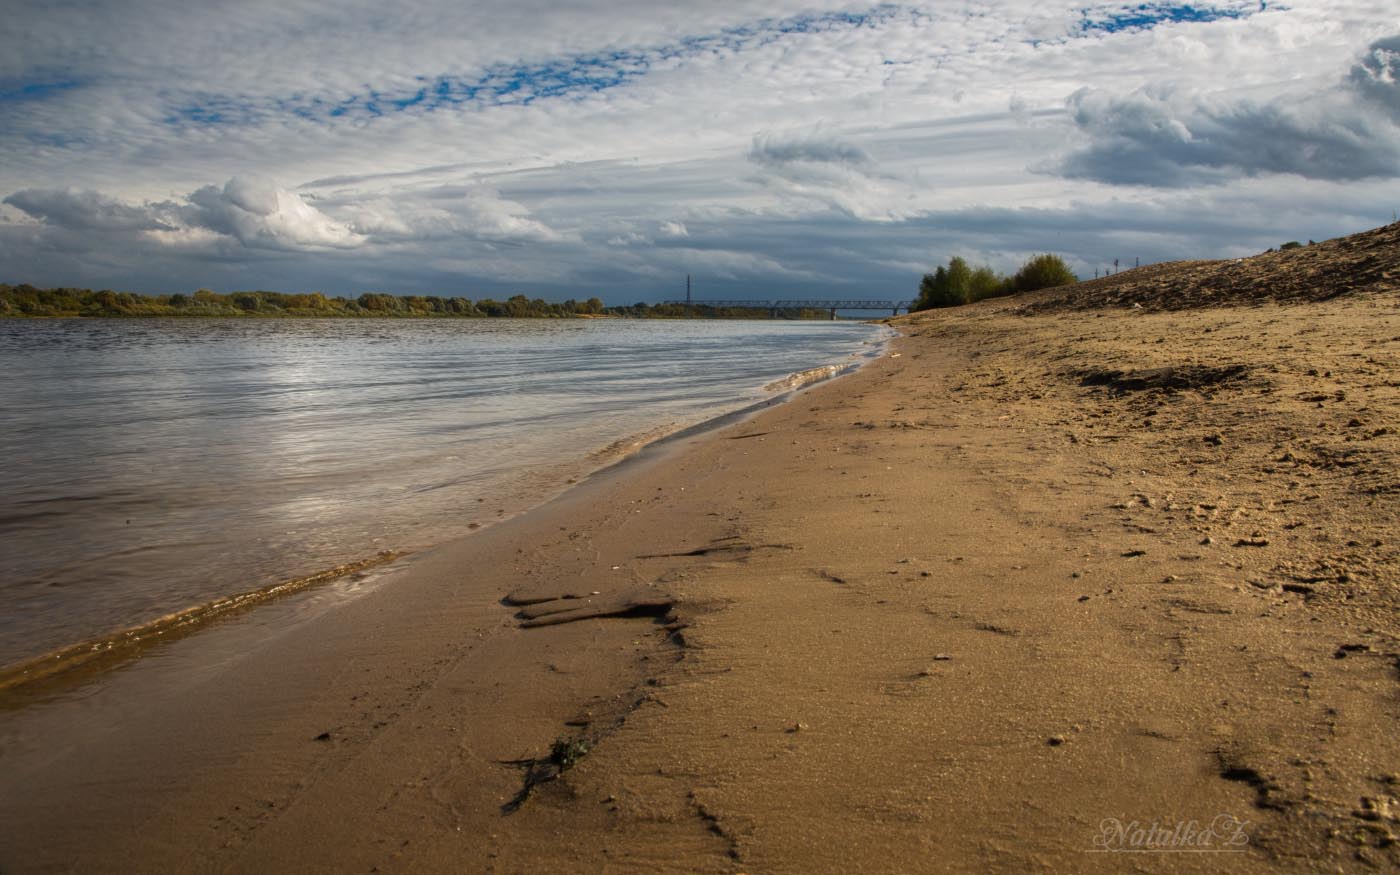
(1144, 16)
(214, 110)
(22, 91)
(574, 77)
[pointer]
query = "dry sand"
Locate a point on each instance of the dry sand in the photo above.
(1041, 570)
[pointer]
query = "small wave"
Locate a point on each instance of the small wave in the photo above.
(130, 642)
(624, 447)
(804, 378)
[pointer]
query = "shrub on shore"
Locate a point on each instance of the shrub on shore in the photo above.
(959, 283)
(1043, 272)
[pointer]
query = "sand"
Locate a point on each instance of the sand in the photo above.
(1041, 578)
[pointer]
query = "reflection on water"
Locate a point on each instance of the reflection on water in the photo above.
(152, 465)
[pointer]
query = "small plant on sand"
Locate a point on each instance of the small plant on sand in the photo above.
(565, 753)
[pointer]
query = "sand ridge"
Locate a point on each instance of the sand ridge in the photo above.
(1355, 264)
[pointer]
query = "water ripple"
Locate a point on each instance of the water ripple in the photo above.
(155, 464)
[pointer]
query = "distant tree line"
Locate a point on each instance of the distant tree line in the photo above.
(26, 300)
(960, 283)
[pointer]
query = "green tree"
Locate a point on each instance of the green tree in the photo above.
(107, 301)
(374, 303)
(949, 286)
(1043, 272)
(959, 278)
(934, 291)
(987, 283)
(244, 301)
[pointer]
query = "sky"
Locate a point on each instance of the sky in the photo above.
(783, 148)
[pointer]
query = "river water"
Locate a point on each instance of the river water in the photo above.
(147, 466)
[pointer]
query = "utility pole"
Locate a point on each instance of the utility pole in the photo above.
(687, 290)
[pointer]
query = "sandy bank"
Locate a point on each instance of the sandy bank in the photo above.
(1026, 578)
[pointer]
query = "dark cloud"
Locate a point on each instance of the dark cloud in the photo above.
(733, 254)
(1377, 76)
(769, 149)
(1144, 139)
(1156, 137)
(87, 210)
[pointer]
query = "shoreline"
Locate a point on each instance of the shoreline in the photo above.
(133, 694)
(46, 675)
(954, 611)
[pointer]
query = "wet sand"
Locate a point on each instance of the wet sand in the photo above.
(1030, 575)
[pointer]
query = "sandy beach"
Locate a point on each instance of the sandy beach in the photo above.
(1076, 583)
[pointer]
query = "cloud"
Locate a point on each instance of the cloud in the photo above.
(627, 238)
(251, 210)
(1377, 76)
(822, 168)
(774, 150)
(1160, 137)
(261, 215)
(490, 215)
(87, 210)
(560, 148)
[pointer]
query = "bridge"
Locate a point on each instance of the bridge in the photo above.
(805, 304)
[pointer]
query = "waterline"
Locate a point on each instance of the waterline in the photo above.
(161, 465)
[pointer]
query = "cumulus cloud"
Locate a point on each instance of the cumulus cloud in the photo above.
(251, 210)
(673, 229)
(259, 214)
